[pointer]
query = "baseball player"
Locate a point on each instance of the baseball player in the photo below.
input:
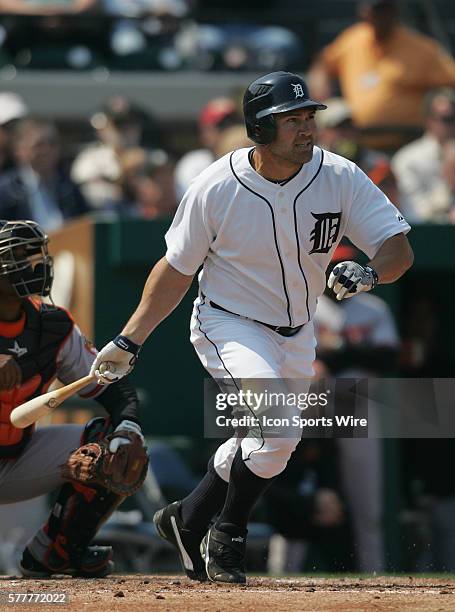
(263, 223)
(38, 343)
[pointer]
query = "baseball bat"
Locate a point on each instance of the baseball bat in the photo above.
(24, 415)
(28, 413)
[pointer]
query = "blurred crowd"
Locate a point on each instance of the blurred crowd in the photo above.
(126, 171)
(391, 109)
(137, 35)
(390, 93)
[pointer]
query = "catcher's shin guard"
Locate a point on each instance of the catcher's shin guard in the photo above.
(76, 516)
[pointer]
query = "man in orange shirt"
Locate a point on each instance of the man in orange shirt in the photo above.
(384, 70)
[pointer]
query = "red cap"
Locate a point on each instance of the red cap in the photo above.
(215, 111)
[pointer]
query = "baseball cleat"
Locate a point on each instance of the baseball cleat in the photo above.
(95, 562)
(169, 524)
(224, 556)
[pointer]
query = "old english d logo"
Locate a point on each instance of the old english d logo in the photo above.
(325, 231)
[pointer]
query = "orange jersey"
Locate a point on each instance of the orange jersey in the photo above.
(47, 344)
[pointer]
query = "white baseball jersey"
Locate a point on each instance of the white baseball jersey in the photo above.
(265, 246)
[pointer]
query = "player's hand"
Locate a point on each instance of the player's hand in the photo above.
(349, 277)
(121, 353)
(125, 426)
(10, 373)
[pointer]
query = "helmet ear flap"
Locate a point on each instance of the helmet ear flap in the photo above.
(265, 130)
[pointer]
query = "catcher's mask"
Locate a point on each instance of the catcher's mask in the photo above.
(24, 258)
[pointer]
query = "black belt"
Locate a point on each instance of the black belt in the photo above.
(283, 331)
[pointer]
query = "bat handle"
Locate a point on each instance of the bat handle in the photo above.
(78, 384)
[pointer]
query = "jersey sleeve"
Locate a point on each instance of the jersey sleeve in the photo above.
(372, 216)
(189, 237)
(74, 361)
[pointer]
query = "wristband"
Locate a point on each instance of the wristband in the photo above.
(127, 345)
(374, 274)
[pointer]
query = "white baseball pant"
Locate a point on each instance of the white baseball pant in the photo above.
(37, 470)
(234, 347)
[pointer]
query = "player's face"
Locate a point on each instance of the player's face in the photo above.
(296, 133)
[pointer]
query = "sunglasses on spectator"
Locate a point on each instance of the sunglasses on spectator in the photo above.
(445, 118)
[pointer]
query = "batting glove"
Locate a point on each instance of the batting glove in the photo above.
(125, 426)
(348, 278)
(115, 360)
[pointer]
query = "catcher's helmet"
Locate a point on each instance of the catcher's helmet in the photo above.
(24, 258)
(276, 92)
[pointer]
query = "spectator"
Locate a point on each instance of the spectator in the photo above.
(214, 118)
(147, 184)
(38, 188)
(439, 205)
(384, 70)
(233, 137)
(119, 126)
(304, 506)
(432, 495)
(53, 34)
(12, 108)
(238, 46)
(358, 338)
(144, 32)
(338, 133)
(382, 175)
(164, 35)
(418, 164)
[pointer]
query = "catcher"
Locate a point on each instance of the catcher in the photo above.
(39, 343)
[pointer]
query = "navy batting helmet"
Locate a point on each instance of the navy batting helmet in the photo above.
(276, 92)
(24, 259)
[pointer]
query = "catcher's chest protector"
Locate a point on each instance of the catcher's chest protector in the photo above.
(35, 348)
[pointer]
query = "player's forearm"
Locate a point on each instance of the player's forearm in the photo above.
(163, 291)
(392, 260)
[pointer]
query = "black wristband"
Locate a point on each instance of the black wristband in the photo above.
(374, 274)
(127, 345)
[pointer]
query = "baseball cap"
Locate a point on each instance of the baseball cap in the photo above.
(216, 111)
(12, 106)
(337, 112)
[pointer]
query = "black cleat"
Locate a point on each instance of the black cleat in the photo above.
(224, 556)
(169, 524)
(95, 562)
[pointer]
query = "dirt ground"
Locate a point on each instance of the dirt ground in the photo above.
(171, 593)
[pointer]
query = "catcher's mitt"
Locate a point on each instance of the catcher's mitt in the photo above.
(122, 472)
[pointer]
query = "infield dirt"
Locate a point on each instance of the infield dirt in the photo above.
(172, 593)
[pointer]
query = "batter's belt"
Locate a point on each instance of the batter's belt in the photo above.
(283, 331)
